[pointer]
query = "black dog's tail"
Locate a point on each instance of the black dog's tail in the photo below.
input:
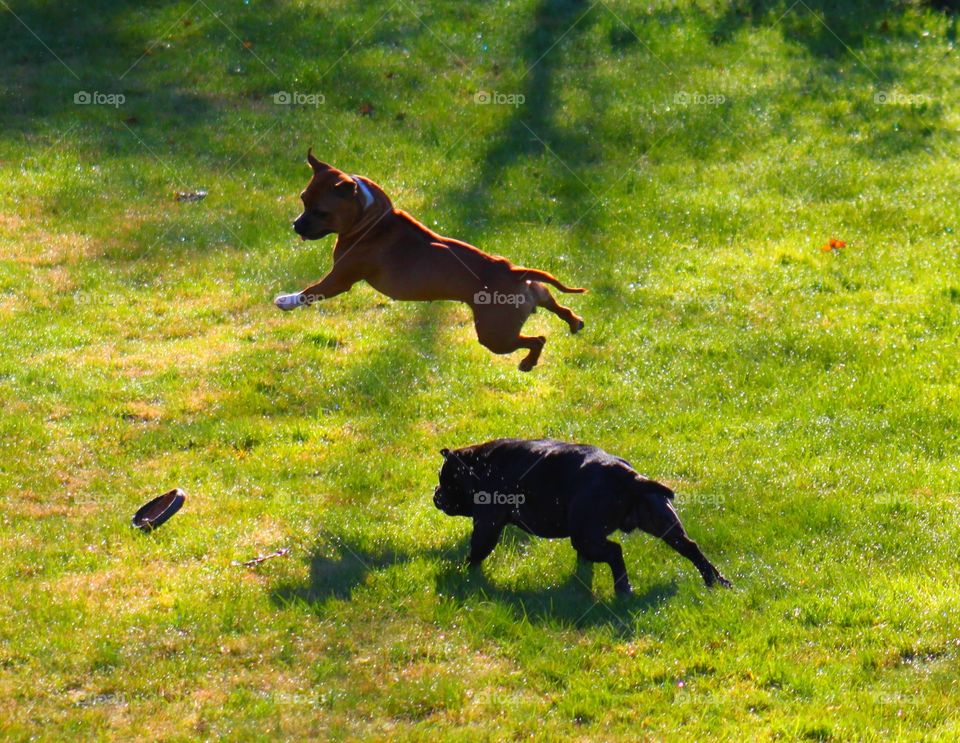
(535, 275)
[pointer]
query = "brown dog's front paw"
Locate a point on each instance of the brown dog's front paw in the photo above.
(287, 302)
(577, 325)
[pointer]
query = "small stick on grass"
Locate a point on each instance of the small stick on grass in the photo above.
(263, 558)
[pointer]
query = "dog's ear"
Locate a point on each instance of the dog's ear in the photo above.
(345, 187)
(445, 453)
(318, 167)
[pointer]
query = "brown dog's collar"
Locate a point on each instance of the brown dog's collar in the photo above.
(367, 196)
(368, 217)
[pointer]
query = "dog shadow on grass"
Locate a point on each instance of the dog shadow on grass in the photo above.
(571, 603)
(339, 576)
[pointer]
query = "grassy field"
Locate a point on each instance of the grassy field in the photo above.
(685, 161)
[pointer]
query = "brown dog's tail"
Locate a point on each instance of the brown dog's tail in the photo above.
(535, 275)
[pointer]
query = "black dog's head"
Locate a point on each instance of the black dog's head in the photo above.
(453, 495)
(331, 202)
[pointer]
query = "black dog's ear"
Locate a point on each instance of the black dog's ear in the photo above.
(445, 453)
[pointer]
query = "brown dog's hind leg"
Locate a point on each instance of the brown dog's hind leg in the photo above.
(498, 328)
(535, 344)
(546, 300)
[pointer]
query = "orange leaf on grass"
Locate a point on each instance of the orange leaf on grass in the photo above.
(834, 244)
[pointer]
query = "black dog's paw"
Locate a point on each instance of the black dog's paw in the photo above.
(718, 579)
(712, 576)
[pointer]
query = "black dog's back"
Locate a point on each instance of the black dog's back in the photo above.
(537, 466)
(535, 460)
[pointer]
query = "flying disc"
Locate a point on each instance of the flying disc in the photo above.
(159, 510)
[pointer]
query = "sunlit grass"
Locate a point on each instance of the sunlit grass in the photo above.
(685, 163)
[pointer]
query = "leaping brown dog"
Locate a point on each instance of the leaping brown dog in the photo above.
(405, 260)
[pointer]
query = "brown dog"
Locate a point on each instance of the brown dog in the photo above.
(401, 258)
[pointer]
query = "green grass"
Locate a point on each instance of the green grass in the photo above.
(804, 404)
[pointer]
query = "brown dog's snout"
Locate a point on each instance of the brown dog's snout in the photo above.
(309, 227)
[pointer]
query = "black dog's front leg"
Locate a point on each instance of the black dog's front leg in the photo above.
(486, 534)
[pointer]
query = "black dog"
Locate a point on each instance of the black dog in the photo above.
(553, 489)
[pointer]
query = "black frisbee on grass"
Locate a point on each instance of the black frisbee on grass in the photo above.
(159, 510)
